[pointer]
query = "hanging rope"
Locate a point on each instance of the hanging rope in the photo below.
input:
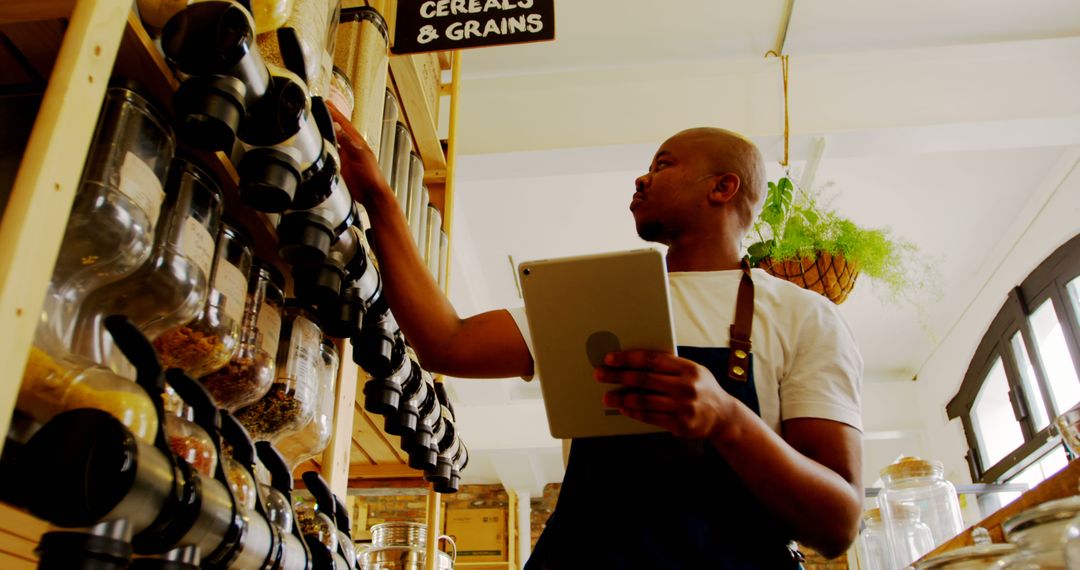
(787, 128)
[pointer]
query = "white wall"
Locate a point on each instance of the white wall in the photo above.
(1051, 218)
(892, 425)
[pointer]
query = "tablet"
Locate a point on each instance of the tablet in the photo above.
(581, 308)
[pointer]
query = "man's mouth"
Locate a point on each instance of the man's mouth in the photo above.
(636, 200)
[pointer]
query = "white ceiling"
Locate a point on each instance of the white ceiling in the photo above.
(944, 121)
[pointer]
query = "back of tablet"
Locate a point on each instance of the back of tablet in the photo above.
(581, 308)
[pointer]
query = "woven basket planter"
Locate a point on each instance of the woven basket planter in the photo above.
(830, 275)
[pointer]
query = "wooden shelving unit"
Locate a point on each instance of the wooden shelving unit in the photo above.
(79, 45)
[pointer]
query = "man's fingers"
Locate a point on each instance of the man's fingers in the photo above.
(647, 360)
(660, 419)
(631, 399)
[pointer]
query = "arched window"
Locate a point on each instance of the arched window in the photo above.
(1025, 372)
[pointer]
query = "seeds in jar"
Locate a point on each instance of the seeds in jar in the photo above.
(275, 412)
(242, 381)
(191, 350)
(198, 453)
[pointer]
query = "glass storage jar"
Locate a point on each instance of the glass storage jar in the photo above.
(278, 509)
(920, 482)
(250, 373)
(241, 483)
(316, 524)
(208, 342)
(363, 55)
(270, 14)
(311, 439)
(110, 229)
(170, 288)
(907, 536)
(53, 385)
(983, 554)
(872, 546)
(388, 136)
(291, 400)
(154, 13)
(1072, 543)
(1039, 535)
(341, 92)
(187, 440)
(315, 24)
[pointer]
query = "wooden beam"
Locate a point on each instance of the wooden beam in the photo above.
(434, 524)
(451, 160)
(35, 218)
(513, 525)
(335, 458)
(384, 471)
(12, 11)
(390, 483)
(417, 79)
(375, 442)
(38, 42)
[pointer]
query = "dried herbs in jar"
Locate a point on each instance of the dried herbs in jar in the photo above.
(248, 376)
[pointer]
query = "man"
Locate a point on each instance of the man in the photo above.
(759, 452)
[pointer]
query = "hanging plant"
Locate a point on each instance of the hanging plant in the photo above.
(817, 249)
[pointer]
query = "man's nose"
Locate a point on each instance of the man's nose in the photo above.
(639, 182)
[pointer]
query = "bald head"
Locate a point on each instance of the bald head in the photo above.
(722, 151)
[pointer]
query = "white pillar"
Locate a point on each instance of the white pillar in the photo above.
(524, 517)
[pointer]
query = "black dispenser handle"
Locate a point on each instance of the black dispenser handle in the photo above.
(281, 479)
(206, 412)
(233, 432)
(324, 121)
(195, 395)
(291, 52)
(342, 517)
(280, 476)
(324, 498)
(444, 399)
(148, 373)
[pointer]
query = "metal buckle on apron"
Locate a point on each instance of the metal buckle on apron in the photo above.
(796, 554)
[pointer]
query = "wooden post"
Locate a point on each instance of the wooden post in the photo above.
(451, 156)
(434, 526)
(34, 221)
(512, 529)
(335, 459)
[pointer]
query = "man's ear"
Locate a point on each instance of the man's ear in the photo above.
(725, 187)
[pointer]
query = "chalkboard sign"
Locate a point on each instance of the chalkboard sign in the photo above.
(437, 25)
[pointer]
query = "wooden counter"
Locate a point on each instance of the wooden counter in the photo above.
(1062, 484)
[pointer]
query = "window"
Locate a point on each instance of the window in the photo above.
(1050, 344)
(1025, 372)
(998, 431)
(1031, 388)
(1034, 474)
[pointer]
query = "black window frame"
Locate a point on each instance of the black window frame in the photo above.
(1048, 282)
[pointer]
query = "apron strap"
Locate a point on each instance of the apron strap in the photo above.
(739, 356)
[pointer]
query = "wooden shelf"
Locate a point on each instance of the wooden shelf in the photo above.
(1061, 485)
(140, 60)
(89, 41)
(417, 81)
(15, 11)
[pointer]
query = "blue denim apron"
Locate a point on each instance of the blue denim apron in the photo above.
(664, 502)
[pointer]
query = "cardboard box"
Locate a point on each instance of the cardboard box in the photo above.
(480, 534)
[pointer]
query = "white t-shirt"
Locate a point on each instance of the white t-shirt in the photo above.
(806, 362)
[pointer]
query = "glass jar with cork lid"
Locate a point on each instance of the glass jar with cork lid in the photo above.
(920, 483)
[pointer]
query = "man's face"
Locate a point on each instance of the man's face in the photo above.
(674, 188)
